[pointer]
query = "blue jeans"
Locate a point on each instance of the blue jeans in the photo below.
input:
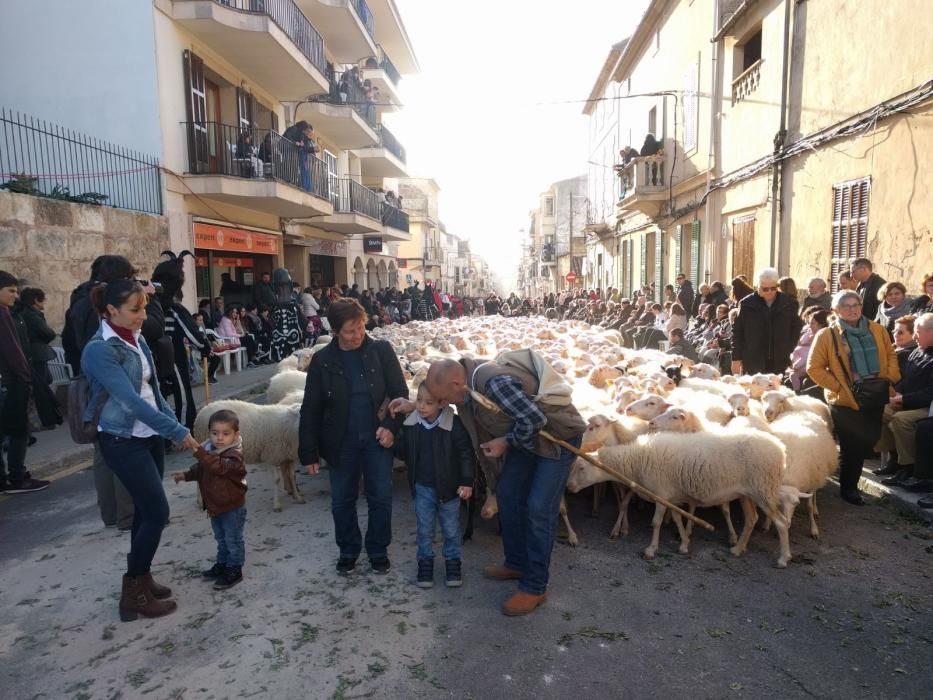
(304, 167)
(362, 456)
(529, 493)
(428, 510)
(228, 531)
(138, 464)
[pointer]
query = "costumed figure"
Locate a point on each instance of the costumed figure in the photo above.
(288, 324)
(180, 327)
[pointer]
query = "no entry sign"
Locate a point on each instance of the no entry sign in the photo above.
(571, 277)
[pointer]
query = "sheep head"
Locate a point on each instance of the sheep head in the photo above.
(676, 420)
(704, 371)
(774, 402)
(601, 431)
(739, 403)
(648, 408)
(583, 474)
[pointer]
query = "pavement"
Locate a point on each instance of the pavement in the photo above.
(55, 455)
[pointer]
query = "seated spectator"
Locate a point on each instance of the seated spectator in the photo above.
(740, 289)
(214, 360)
(893, 303)
(680, 346)
(254, 325)
(815, 318)
(924, 303)
(677, 319)
(909, 405)
(230, 326)
(904, 341)
(703, 297)
(847, 281)
(789, 287)
(817, 295)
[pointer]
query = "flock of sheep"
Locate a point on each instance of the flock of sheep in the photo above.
(750, 439)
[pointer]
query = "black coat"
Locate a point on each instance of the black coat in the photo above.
(763, 338)
(326, 406)
(868, 290)
(454, 463)
(916, 385)
(39, 335)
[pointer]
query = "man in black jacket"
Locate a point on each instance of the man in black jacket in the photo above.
(907, 407)
(264, 292)
(766, 330)
(868, 285)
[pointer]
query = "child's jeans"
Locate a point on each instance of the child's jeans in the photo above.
(427, 511)
(228, 531)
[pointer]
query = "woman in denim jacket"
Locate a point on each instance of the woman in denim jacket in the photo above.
(133, 421)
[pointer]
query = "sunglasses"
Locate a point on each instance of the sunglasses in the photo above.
(767, 289)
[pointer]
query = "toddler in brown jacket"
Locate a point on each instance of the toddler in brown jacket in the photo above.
(221, 477)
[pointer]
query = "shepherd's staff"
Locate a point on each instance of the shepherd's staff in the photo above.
(207, 383)
(624, 480)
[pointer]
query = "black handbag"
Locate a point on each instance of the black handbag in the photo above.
(870, 393)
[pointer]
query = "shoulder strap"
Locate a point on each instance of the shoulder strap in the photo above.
(839, 356)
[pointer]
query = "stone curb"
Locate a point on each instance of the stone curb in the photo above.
(899, 499)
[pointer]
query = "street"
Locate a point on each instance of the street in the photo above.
(852, 616)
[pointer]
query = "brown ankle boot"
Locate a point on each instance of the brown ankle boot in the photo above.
(522, 603)
(158, 590)
(136, 599)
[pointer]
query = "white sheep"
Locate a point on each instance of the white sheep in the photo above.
(777, 402)
(292, 398)
(715, 468)
(760, 383)
(701, 370)
(601, 376)
(285, 383)
(270, 436)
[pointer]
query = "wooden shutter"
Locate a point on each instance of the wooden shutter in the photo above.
(631, 266)
(659, 265)
(695, 254)
(850, 226)
(643, 280)
(743, 247)
(196, 108)
(678, 249)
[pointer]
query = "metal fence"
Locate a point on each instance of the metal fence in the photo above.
(49, 160)
(365, 15)
(395, 218)
(390, 143)
(222, 149)
(292, 21)
(347, 91)
(389, 67)
(350, 196)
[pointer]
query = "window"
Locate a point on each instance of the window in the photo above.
(691, 113)
(850, 225)
(331, 161)
(549, 206)
(751, 50)
(653, 121)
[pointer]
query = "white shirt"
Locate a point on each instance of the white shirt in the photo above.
(140, 429)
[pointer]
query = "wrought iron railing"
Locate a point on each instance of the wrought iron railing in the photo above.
(292, 21)
(48, 160)
(350, 196)
(221, 149)
(365, 15)
(389, 67)
(394, 217)
(390, 143)
(347, 91)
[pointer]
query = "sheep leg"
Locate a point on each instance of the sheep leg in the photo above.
(814, 515)
(656, 522)
(692, 509)
(598, 494)
(727, 514)
(276, 482)
(684, 535)
(571, 535)
(781, 525)
(623, 497)
(750, 517)
(291, 482)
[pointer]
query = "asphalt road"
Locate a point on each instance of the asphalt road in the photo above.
(851, 617)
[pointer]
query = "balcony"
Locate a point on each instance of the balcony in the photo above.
(357, 209)
(383, 74)
(548, 255)
(433, 256)
(344, 114)
(391, 35)
(396, 223)
(747, 83)
(348, 26)
(387, 159)
(256, 169)
(643, 185)
(270, 41)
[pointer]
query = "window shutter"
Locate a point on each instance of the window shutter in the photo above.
(678, 249)
(196, 109)
(631, 266)
(643, 280)
(849, 226)
(244, 109)
(690, 106)
(695, 254)
(659, 265)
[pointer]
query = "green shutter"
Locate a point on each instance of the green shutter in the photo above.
(695, 255)
(643, 280)
(678, 249)
(659, 265)
(631, 266)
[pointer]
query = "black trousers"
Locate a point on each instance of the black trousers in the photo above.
(923, 454)
(858, 431)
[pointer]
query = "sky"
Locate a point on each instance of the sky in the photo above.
(473, 119)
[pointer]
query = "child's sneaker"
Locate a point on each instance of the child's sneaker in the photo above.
(454, 574)
(231, 576)
(216, 571)
(425, 573)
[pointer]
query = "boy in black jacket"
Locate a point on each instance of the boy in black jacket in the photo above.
(437, 449)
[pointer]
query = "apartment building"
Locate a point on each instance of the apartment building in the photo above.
(421, 258)
(211, 86)
(777, 143)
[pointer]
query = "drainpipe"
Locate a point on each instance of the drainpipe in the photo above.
(777, 169)
(715, 107)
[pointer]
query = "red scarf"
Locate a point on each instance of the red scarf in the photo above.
(124, 333)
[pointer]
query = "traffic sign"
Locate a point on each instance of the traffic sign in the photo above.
(571, 277)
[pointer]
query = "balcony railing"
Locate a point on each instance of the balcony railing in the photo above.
(350, 197)
(394, 217)
(43, 159)
(365, 15)
(433, 256)
(640, 173)
(386, 64)
(747, 83)
(347, 91)
(390, 143)
(260, 154)
(292, 21)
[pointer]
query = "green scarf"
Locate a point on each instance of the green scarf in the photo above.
(863, 350)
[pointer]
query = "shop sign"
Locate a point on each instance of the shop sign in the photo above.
(372, 244)
(403, 262)
(201, 261)
(214, 237)
(334, 249)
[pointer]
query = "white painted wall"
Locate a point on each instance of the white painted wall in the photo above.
(88, 66)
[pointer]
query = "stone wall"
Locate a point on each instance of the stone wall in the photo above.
(52, 243)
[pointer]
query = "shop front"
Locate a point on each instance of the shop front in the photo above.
(230, 260)
(328, 262)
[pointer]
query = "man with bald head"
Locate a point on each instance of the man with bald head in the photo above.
(504, 407)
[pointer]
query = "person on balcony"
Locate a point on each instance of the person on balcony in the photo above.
(652, 147)
(302, 135)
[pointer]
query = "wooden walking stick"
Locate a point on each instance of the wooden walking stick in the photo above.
(624, 480)
(207, 382)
